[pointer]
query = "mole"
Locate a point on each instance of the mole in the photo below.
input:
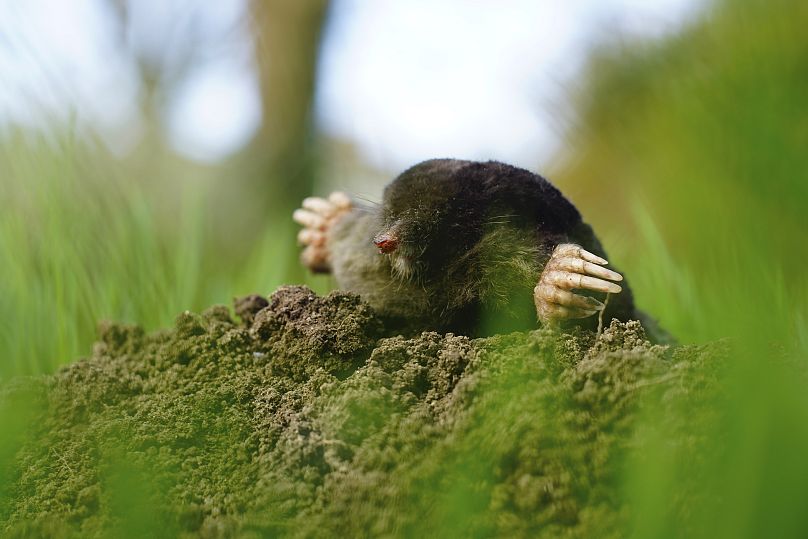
(474, 248)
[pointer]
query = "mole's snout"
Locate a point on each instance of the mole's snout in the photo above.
(386, 242)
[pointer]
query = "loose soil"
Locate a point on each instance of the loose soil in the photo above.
(304, 419)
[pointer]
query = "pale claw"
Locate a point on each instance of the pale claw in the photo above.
(311, 237)
(340, 200)
(319, 206)
(572, 267)
(579, 252)
(318, 216)
(309, 219)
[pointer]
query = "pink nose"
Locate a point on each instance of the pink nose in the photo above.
(386, 243)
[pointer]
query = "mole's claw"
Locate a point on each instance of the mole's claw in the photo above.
(571, 249)
(558, 296)
(318, 216)
(589, 257)
(311, 237)
(319, 205)
(569, 280)
(308, 219)
(551, 313)
(572, 267)
(579, 265)
(316, 259)
(340, 200)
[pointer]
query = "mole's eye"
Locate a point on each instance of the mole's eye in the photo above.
(386, 242)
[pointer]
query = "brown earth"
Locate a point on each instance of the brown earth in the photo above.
(304, 419)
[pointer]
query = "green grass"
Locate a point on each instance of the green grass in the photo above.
(689, 154)
(84, 239)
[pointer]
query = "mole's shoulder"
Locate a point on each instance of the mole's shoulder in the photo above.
(524, 192)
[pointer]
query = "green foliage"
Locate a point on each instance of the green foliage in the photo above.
(690, 154)
(84, 238)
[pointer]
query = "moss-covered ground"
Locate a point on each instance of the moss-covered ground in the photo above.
(298, 417)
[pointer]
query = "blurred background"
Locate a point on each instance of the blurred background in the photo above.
(151, 153)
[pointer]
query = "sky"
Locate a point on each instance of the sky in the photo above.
(403, 80)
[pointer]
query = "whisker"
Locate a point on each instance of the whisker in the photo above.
(367, 199)
(365, 209)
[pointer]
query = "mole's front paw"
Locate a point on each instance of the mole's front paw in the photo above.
(317, 216)
(571, 267)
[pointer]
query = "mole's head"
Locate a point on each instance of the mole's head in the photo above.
(420, 226)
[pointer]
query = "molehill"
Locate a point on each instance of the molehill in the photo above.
(304, 419)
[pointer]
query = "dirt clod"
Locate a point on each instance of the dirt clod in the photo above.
(248, 306)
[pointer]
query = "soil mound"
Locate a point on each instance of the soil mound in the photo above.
(303, 420)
